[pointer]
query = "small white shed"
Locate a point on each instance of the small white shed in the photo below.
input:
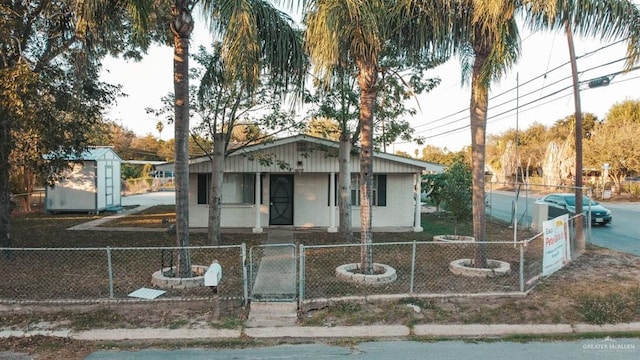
(92, 184)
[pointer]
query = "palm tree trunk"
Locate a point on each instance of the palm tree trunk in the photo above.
(479, 105)
(367, 81)
(215, 198)
(182, 25)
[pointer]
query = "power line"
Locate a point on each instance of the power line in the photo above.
(465, 110)
(527, 106)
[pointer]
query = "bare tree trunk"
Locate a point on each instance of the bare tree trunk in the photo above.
(344, 186)
(478, 107)
(367, 81)
(215, 193)
(5, 203)
(181, 26)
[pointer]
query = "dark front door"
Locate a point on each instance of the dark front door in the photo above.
(281, 200)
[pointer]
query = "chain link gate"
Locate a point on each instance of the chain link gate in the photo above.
(272, 272)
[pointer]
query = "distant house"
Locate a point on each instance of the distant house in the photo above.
(92, 184)
(293, 182)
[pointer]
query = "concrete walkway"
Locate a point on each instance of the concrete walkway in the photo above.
(276, 273)
(136, 203)
(274, 293)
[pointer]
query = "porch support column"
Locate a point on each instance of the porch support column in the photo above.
(417, 194)
(258, 191)
(332, 204)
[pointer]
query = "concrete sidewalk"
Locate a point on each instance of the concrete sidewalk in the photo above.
(314, 332)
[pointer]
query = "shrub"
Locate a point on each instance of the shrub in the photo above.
(606, 309)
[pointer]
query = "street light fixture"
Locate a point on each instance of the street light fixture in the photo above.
(601, 81)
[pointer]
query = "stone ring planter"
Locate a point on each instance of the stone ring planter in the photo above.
(453, 238)
(161, 281)
(384, 274)
(465, 267)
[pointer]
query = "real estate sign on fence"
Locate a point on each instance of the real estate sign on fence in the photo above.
(556, 244)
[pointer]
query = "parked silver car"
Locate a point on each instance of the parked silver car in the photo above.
(565, 203)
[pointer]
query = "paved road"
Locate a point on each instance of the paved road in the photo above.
(150, 199)
(605, 348)
(622, 235)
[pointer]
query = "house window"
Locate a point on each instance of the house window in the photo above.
(236, 188)
(379, 190)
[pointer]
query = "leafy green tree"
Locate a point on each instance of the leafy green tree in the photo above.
(616, 142)
(627, 111)
(117, 136)
(443, 156)
(230, 113)
(432, 185)
(323, 127)
(560, 127)
(51, 99)
(456, 192)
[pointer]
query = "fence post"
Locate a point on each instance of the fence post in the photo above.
(413, 267)
(522, 267)
(302, 275)
(110, 270)
(245, 281)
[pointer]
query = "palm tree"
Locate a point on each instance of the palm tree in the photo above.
(485, 35)
(255, 36)
(351, 30)
(160, 128)
(343, 33)
(181, 25)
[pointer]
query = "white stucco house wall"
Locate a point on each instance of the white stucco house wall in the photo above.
(259, 193)
(92, 184)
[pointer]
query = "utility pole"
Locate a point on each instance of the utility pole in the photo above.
(579, 245)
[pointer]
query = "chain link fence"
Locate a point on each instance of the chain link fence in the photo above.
(28, 202)
(149, 184)
(77, 274)
(421, 268)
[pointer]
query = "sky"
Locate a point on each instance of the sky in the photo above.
(536, 89)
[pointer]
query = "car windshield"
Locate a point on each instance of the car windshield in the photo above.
(571, 201)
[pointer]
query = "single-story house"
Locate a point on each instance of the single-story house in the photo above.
(293, 182)
(92, 184)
